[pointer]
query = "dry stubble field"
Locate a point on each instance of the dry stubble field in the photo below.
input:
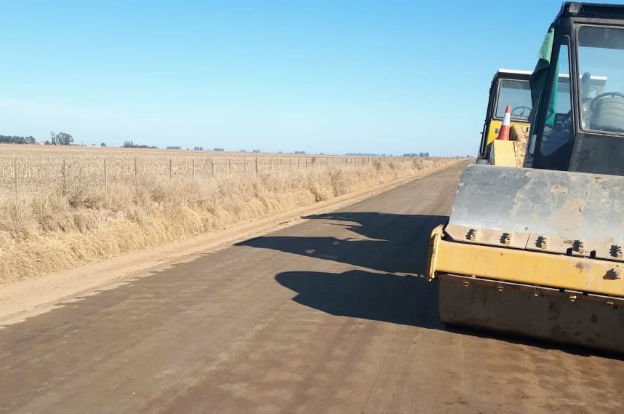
(65, 206)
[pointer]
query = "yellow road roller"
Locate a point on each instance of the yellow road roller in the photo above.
(538, 251)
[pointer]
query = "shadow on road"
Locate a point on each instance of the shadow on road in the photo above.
(407, 300)
(395, 242)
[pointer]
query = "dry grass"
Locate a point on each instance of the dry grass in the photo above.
(58, 227)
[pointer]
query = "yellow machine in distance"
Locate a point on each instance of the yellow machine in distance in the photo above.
(509, 87)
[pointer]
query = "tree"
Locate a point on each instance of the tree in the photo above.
(62, 138)
(103, 144)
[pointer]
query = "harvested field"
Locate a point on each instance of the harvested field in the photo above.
(61, 207)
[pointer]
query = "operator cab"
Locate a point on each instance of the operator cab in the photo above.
(578, 92)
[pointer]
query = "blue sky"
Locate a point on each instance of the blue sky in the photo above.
(318, 76)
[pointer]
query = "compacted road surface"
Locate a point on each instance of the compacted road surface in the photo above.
(330, 315)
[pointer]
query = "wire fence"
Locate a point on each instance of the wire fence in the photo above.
(31, 174)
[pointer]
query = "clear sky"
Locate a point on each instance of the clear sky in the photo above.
(318, 76)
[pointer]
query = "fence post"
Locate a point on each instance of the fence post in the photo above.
(15, 175)
(64, 177)
(256, 165)
(193, 160)
(170, 169)
(105, 178)
(135, 171)
(229, 166)
(212, 168)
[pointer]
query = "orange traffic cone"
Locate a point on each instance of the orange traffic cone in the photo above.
(503, 135)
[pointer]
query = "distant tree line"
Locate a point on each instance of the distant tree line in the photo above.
(420, 154)
(14, 139)
(62, 138)
(131, 144)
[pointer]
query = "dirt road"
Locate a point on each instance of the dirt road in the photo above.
(325, 316)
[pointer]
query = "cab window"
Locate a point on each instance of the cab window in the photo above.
(601, 68)
(516, 94)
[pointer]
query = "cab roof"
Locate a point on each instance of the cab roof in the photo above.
(515, 74)
(515, 71)
(591, 10)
